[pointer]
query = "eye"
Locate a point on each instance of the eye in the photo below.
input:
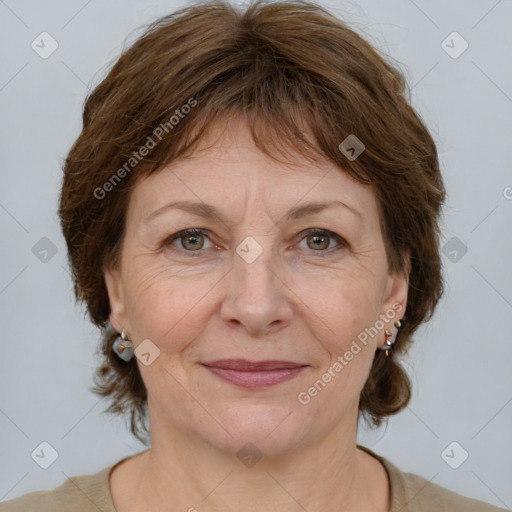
(318, 240)
(191, 240)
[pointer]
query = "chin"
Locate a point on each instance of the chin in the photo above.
(272, 430)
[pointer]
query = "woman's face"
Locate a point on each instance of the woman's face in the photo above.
(253, 285)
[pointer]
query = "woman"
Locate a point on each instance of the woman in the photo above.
(251, 213)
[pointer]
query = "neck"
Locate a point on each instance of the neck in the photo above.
(182, 472)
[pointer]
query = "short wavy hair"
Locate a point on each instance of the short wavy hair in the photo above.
(283, 65)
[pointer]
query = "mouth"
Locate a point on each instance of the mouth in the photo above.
(254, 374)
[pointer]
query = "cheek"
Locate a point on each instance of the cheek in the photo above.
(343, 310)
(349, 356)
(160, 304)
(344, 304)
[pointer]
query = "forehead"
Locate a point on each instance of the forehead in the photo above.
(227, 168)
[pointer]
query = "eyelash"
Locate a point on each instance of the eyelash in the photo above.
(313, 231)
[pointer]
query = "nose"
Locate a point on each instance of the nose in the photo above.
(258, 299)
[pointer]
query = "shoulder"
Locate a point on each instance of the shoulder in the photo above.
(414, 493)
(424, 495)
(82, 493)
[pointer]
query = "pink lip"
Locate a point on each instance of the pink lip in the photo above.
(246, 365)
(254, 374)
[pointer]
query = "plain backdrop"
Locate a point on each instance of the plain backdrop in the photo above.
(460, 363)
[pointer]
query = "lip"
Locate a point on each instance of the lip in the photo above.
(254, 374)
(247, 366)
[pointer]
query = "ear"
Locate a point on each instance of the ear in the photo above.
(116, 298)
(395, 297)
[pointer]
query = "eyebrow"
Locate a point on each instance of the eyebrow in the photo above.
(208, 211)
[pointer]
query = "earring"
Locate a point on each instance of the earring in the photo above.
(388, 342)
(123, 347)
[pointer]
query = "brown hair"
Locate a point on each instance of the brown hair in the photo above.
(281, 64)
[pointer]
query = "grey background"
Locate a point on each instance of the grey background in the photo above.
(460, 364)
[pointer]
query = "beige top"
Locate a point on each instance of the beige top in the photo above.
(91, 493)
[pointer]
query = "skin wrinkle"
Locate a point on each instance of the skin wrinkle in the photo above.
(287, 304)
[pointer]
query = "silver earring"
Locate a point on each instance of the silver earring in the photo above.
(390, 339)
(123, 347)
